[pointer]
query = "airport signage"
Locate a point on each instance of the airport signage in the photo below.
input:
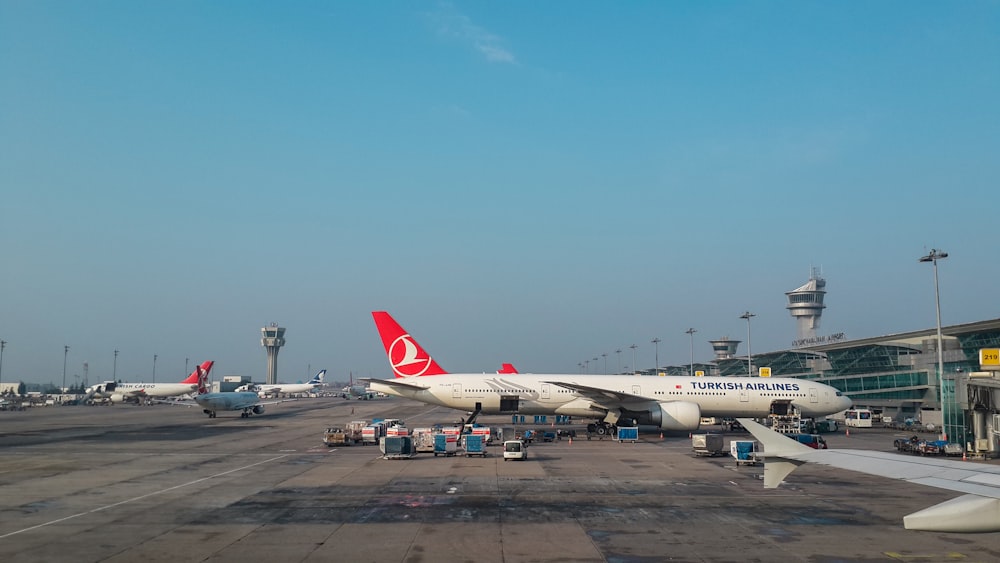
(819, 340)
(989, 358)
(764, 372)
(699, 373)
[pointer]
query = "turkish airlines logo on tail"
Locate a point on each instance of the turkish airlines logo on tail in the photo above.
(406, 358)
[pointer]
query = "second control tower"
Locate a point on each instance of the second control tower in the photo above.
(806, 305)
(272, 338)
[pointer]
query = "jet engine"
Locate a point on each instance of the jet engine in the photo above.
(259, 409)
(675, 415)
(117, 398)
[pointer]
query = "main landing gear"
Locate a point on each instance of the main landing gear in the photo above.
(600, 430)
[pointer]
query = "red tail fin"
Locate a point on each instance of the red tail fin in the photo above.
(406, 357)
(203, 378)
(193, 378)
(507, 368)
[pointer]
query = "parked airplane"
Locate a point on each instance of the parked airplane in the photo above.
(359, 391)
(100, 391)
(246, 401)
(275, 388)
(122, 392)
(976, 511)
(669, 402)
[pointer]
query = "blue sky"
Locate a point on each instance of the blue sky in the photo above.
(538, 183)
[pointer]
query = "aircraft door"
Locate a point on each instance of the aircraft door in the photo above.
(456, 390)
(744, 396)
(545, 391)
(813, 395)
(637, 390)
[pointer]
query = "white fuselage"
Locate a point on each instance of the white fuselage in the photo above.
(539, 394)
(288, 388)
(227, 401)
(158, 390)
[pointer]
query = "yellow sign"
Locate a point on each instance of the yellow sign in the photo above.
(699, 373)
(989, 357)
(764, 372)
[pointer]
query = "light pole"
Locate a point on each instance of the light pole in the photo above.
(154, 368)
(633, 347)
(114, 368)
(656, 343)
(605, 356)
(65, 354)
(3, 344)
(586, 366)
(748, 315)
(86, 370)
(691, 331)
(186, 365)
(580, 365)
(933, 257)
(619, 352)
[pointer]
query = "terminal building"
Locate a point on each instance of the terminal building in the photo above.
(895, 376)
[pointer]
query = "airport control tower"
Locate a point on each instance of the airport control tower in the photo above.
(724, 348)
(272, 338)
(806, 305)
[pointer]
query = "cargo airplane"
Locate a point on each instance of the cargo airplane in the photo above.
(122, 392)
(977, 510)
(668, 402)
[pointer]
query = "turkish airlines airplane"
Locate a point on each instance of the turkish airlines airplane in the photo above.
(669, 402)
(122, 392)
(976, 511)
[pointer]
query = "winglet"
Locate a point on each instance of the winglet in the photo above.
(779, 452)
(406, 357)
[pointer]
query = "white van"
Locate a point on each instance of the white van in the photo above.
(514, 449)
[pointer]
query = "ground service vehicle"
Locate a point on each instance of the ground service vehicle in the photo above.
(335, 437)
(708, 444)
(744, 451)
(858, 418)
(445, 444)
(628, 434)
(515, 449)
(814, 441)
(475, 444)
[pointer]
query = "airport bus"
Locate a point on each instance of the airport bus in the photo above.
(858, 418)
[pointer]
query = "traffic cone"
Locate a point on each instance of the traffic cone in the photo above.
(964, 458)
(571, 440)
(661, 435)
(847, 432)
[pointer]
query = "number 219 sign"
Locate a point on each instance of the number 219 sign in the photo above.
(989, 357)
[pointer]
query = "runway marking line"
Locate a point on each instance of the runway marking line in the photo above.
(140, 497)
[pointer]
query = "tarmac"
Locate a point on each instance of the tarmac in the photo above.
(164, 483)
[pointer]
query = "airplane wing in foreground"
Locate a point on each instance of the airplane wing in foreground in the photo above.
(977, 510)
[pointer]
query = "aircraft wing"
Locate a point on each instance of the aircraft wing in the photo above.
(599, 394)
(977, 511)
(176, 402)
(396, 383)
(273, 402)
